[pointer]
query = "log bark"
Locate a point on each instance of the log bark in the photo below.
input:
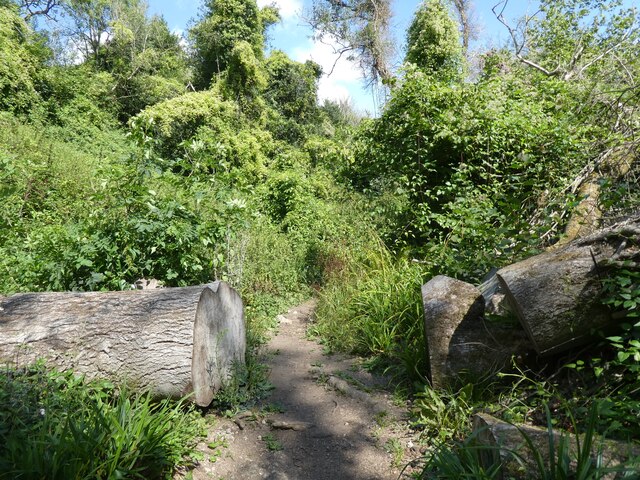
(557, 295)
(459, 340)
(506, 441)
(172, 341)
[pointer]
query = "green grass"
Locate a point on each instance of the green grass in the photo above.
(55, 425)
(443, 416)
(374, 308)
(394, 448)
(272, 443)
(557, 458)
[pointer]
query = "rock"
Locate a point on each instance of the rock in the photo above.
(459, 340)
(289, 425)
(506, 440)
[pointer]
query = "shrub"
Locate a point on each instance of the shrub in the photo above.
(173, 121)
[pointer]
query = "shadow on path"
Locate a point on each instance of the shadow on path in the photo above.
(338, 436)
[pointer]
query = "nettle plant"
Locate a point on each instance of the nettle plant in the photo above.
(617, 371)
(622, 291)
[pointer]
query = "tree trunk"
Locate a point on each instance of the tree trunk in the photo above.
(557, 295)
(505, 441)
(614, 164)
(172, 341)
(461, 344)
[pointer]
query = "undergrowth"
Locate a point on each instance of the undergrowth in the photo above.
(551, 456)
(56, 425)
(373, 307)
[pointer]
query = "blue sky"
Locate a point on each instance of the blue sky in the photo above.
(293, 37)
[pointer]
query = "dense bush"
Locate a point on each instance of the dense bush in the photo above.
(174, 121)
(479, 170)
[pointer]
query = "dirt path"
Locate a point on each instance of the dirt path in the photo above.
(325, 419)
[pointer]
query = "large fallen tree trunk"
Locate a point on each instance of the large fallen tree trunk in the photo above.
(171, 341)
(515, 448)
(557, 295)
(613, 164)
(460, 342)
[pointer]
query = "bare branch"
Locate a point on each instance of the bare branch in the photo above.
(339, 52)
(626, 35)
(572, 67)
(37, 7)
(359, 26)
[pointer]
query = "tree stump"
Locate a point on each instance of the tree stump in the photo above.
(171, 341)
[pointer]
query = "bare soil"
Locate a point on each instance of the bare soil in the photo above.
(326, 419)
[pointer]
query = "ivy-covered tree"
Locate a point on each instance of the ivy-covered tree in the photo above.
(469, 168)
(245, 80)
(433, 41)
(292, 87)
(223, 24)
(22, 56)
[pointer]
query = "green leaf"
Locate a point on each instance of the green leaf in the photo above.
(622, 356)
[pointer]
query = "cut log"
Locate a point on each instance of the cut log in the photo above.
(459, 340)
(557, 295)
(171, 341)
(508, 442)
(495, 300)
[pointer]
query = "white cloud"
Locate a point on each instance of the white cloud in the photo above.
(179, 32)
(341, 76)
(289, 9)
(324, 53)
(329, 89)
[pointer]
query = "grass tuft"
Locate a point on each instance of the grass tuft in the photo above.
(58, 426)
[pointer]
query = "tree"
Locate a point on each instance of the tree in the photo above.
(464, 10)
(292, 87)
(35, 8)
(144, 57)
(567, 38)
(245, 79)
(90, 26)
(223, 24)
(21, 58)
(360, 28)
(433, 41)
